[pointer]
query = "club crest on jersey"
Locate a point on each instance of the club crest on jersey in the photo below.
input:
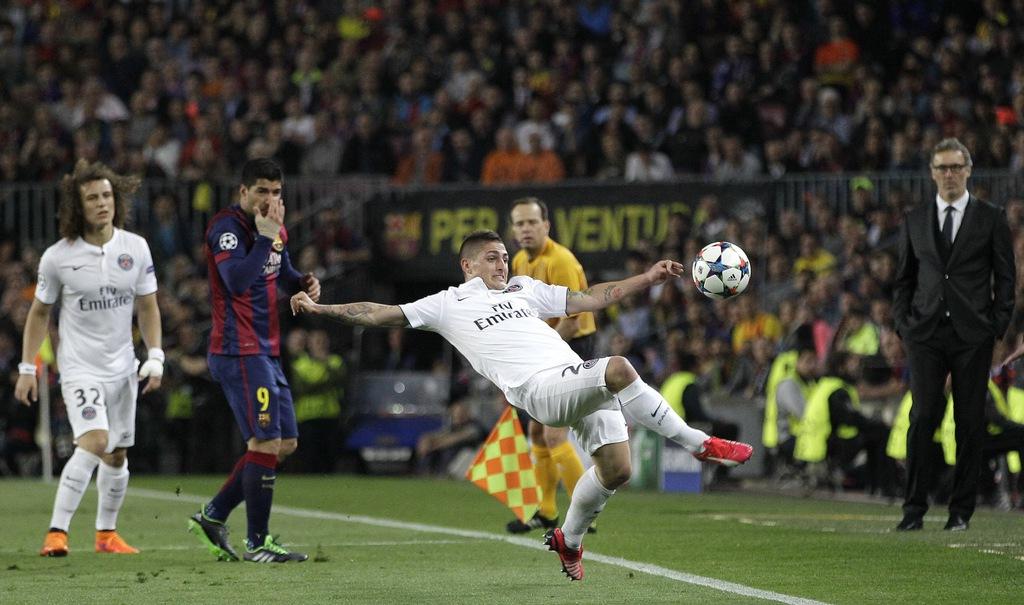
(273, 264)
(278, 244)
(512, 288)
(263, 419)
(228, 241)
(126, 262)
(88, 412)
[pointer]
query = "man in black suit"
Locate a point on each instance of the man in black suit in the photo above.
(953, 298)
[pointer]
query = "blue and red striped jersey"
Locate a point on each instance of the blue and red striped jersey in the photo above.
(245, 270)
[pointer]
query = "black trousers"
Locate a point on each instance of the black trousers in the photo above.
(944, 354)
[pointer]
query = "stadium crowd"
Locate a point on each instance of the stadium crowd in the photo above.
(476, 90)
(525, 92)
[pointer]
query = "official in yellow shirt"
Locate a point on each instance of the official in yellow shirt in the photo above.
(544, 259)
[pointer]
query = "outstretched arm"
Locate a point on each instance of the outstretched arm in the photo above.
(360, 313)
(602, 295)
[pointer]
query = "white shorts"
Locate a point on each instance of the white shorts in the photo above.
(105, 406)
(575, 396)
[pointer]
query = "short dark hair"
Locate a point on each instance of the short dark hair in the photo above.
(836, 364)
(951, 144)
(261, 168)
(687, 361)
(474, 240)
(70, 215)
(531, 200)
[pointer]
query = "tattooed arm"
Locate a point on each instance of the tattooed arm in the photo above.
(602, 295)
(360, 313)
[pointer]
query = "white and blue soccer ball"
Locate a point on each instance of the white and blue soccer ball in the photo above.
(721, 270)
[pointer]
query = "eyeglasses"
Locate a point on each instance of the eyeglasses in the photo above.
(951, 168)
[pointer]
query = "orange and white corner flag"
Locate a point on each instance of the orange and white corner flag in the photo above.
(503, 468)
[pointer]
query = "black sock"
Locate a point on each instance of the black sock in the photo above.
(258, 477)
(230, 494)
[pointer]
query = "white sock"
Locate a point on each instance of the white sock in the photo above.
(588, 500)
(74, 480)
(112, 483)
(644, 406)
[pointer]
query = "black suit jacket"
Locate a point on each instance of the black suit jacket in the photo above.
(976, 283)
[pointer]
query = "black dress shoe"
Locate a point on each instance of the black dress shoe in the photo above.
(910, 524)
(956, 523)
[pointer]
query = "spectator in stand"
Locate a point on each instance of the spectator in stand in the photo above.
(536, 123)
(688, 147)
(813, 257)
(367, 152)
(422, 165)
(648, 164)
(539, 165)
(834, 60)
(409, 105)
(322, 156)
(736, 163)
(750, 323)
(462, 159)
(501, 165)
(167, 235)
(830, 117)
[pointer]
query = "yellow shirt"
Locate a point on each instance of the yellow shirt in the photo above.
(557, 265)
(821, 263)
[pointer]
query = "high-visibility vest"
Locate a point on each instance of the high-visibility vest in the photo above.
(782, 368)
(1011, 406)
(674, 387)
(309, 371)
(179, 404)
(1015, 404)
(816, 425)
(1003, 407)
(864, 341)
(946, 433)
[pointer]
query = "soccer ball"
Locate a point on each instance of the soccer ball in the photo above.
(721, 270)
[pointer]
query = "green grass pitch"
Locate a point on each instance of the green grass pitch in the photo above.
(400, 540)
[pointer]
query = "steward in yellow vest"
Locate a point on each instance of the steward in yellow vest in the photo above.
(790, 400)
(833, 426)
(1004, 411)
(317, 379)
(683, 394)
(778, 428)
(896, 447)
(783, 367)
(860, 335)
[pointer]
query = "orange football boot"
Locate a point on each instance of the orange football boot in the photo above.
(109, 541)
(55, 544)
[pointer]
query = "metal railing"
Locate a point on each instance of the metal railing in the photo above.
(28, 211)
(793, 192)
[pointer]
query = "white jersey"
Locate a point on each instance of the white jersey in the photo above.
(501, 332)
(97, 286)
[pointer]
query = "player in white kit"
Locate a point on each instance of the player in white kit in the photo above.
(99, 272)
(497, 324)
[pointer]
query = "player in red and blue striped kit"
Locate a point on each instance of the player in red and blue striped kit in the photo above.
(248, 264)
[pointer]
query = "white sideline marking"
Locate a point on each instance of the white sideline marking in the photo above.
(647, 568)
(331, 544)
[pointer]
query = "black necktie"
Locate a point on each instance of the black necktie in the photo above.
(947, 225)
